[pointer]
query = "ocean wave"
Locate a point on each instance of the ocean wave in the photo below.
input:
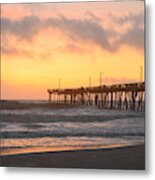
(83, 111)
(67, 134)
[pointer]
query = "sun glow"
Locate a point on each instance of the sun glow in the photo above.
(44, 47)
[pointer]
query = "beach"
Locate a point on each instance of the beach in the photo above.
(40, 134)
(132, 157)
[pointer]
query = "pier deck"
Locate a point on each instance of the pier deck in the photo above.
(118, 96)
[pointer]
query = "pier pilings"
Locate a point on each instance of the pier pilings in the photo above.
(129, 96)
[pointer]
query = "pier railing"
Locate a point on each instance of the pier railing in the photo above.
(118, 96)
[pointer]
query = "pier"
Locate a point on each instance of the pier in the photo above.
(130, 96)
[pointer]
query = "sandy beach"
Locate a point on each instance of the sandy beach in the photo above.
(116, 158)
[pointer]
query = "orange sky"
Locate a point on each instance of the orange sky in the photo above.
(42, 43)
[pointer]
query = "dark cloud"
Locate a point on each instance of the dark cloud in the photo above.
(83, 30)
(79, 30)
(133, 37)
(136, 19)
(24, 28)
(76, 30)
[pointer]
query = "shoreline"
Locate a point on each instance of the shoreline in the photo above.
(16, 105)
(129, 157)
(35, 150)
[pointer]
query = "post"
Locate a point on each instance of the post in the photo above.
(71, 98)
(50, 94)
(126, 101)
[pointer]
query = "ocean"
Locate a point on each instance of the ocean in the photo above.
(82, 127)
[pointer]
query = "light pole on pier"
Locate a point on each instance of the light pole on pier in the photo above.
(100, 79)
(89, 81)
(59, 84)
(141, 73)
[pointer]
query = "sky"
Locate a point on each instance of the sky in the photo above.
(74, 42)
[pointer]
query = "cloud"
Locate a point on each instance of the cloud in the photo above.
(13, 51)
(24, 28)
(133, 37)
(135, 19)
(76, 30)
(81, 30)
(73, 48)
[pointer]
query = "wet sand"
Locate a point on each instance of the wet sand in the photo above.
(132, 158)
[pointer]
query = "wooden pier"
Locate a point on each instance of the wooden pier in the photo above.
(129, 96)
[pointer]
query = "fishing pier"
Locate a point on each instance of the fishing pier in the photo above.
(130, 96)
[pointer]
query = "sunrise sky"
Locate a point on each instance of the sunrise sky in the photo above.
(42, 43)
